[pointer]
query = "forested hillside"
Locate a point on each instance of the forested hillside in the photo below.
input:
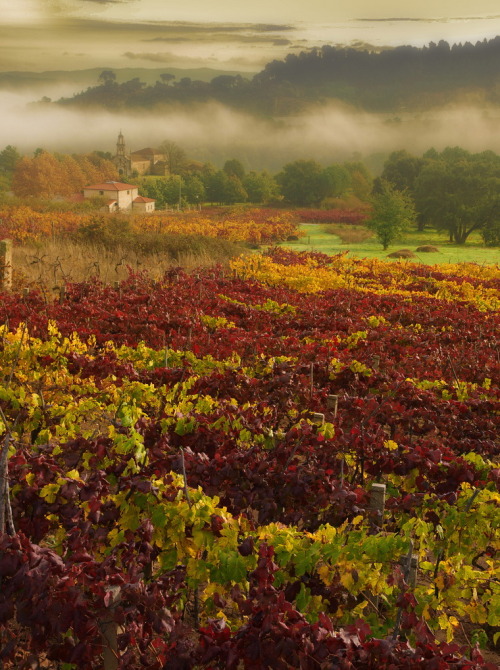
(390, 79)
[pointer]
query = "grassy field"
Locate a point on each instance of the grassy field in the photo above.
(317, 239)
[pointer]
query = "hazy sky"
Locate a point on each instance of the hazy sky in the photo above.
(38, 35)
(225, 34)
(275, 10)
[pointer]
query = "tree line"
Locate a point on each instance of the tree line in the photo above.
(301, 183)
(377, 80)
(453, 190)
(47, 174)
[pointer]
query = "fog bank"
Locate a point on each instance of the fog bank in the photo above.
(212, 132)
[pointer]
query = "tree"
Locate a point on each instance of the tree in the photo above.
(38, 176)
(107, 77)
(74, 177)
(170, 190)
(234, 168)
(223, 189)
(194, 189)
(402, 169)
(8, 159)
(303, 183)
(339, 180)
(49, 175)
(167, 78)
(234, 191)
(361, 180)
(393, 213)
(459, 192)
(150, 188)
(175, 156)
(260, 187)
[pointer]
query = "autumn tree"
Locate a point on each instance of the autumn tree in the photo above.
(48, 175)
(41, 175)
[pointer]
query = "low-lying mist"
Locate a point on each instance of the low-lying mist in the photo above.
(212, 132)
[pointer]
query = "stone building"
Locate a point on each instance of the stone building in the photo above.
(143, 162)
(119, 197)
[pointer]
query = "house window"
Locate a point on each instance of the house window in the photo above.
(101, 192)
(128, 192)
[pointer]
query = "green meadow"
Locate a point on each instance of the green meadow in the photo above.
(316, 238)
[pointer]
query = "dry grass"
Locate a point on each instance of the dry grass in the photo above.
(349, 234)
(427, 248)
(402, 253)
(54, 263)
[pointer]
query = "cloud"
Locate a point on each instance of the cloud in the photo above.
(107, 2)
(434, 19)
(224, 37)
(164, 57)
(178, 60)
(168, 27)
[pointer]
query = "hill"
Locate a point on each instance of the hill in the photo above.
(79, 79)
(394, 79)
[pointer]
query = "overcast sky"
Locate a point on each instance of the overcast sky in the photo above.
(77, 34)
(257, 10)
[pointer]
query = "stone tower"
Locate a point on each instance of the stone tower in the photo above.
(121, 160)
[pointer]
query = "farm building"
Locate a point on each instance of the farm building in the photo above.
(119, 196)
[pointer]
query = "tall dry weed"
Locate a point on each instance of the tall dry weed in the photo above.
(56, 262)
(348, 234)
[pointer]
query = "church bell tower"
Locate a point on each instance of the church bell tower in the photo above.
(121, 160)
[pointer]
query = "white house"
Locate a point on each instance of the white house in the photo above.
(120, 196)
(143, 204)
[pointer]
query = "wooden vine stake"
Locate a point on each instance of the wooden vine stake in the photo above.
(5, 265)
(196, 612)
(332, 402)
(6, 521)
(109, 630)
(406, 564)
(412, 577)
(377, 503)
(4, 455)
(318, 418)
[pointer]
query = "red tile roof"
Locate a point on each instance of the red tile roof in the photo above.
(109, 186)
(141, 198)
(146, 152)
